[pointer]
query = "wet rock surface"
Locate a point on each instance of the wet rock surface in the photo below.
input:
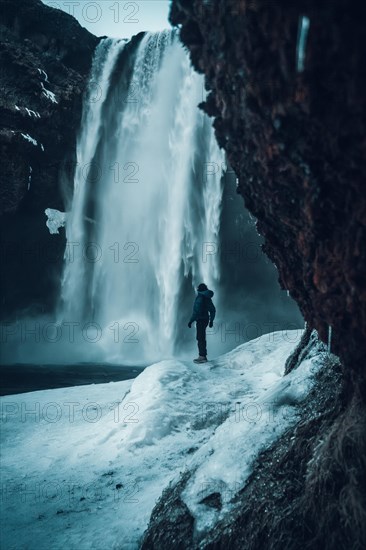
(296, 141)
(291, 117)
(45, 58)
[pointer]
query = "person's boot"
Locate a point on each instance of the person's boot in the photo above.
(200, 359)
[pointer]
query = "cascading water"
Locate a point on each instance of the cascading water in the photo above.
(145, 214)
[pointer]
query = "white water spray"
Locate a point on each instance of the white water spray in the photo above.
(151, 218)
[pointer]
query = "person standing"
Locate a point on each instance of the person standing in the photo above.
(203, 313)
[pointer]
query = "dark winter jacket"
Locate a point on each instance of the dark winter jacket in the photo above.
(203, 307)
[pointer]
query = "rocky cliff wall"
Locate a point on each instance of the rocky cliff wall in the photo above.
(45, 58)
(290, 114)
(292, 119)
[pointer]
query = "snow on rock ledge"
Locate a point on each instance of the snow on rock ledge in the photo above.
(128, 440)
(225, 462)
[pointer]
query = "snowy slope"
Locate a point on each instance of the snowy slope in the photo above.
(84, 466)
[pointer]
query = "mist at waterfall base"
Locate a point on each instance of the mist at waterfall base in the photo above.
(153, 213)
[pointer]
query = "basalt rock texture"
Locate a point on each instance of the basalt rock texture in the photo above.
(289, 108)
(45, 58)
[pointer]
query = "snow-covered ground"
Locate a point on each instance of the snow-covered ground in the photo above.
(82, 467)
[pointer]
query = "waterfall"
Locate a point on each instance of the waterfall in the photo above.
(145, 215)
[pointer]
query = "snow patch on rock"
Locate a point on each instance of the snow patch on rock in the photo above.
(44, 74)
(31, 113)
(30, 139)
(55, 220)
(47, 93)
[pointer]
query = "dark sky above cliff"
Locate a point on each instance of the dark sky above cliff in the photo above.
(120, 19)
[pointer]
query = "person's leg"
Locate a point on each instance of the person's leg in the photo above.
(201, 325)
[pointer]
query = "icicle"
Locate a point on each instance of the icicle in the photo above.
(329, 338)
(29, 177)
(304, 24)
(288, 293)
(305, 325)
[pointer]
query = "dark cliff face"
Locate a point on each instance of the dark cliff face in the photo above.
(294, 132)
(296, 139)
(45, 58)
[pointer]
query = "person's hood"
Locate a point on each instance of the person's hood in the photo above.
(208, 293)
